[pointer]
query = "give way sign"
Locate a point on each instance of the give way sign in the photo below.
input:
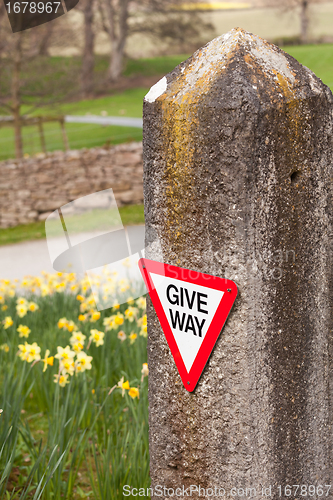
(192, 308)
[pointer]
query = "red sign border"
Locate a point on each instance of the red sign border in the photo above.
(190, 379)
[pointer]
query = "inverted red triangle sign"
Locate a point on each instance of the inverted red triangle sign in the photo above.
(192, 308)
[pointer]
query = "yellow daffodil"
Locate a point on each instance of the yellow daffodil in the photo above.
(130, 313)
(77, 337)
(83, 307)
(67, 366)
(132, 337)
(33, 353)
(143, 320)
(91, 300)
(24, 331)
(134, 392)
(47, 360)
(95, 315)
(77, 347)
(119, 319)
(63, 354)
(124, 386)
(97, 337)
(116, 305)
(7, 322)
(84, 361)
(141, 302)
(21, 301)
(144, 370)
(62, 322)
(4, 347)
(109, 323)
(32, 306)
(82, 317)
(70, 326)
(62, 379)
(80, 298)
(4, 307)
(60, 287)
(23, 351)
(21, 310)
(143, 330)
(45, 290)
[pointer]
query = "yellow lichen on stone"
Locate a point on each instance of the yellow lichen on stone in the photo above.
(270, 74)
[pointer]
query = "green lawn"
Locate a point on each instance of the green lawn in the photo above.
(130, 215)
(126, 103)
(153, 65)
(80, 135)
(318, 58)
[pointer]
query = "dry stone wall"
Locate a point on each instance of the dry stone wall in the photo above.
(31, 188)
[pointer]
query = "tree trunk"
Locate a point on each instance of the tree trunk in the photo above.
(88, 62)
(118, 42)
(116, 64)
(16, 101)
(304, 21)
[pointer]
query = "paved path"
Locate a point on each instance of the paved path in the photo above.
(32, 257)
(106, 120)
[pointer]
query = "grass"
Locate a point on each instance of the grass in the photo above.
(154, 65)
(84, 439)
(318, 58)
(79, 136)
(128, 103)
(130, 215)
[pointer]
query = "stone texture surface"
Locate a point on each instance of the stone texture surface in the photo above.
(32, 188)
(238, 184)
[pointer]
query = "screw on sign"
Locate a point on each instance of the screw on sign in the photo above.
(192, 308)
(29, 14)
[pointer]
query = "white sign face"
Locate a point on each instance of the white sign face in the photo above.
(189, 309)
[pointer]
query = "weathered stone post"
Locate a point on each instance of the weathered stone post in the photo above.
(238, 184)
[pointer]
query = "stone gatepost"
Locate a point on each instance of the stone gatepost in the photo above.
(238, 184)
